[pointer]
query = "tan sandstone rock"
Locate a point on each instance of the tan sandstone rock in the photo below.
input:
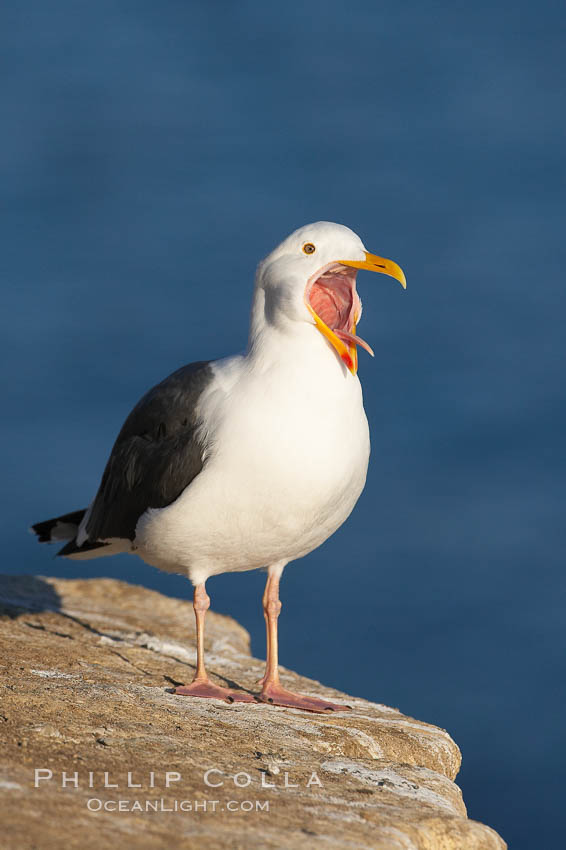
(85, 669)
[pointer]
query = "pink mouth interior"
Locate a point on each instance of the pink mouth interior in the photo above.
(334, 299)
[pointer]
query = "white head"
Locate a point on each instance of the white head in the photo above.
(311, 278)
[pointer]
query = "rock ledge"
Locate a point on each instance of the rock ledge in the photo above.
(85, 671)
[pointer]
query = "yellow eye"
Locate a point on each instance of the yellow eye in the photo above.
(309, 248)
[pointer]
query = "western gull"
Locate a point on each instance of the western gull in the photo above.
(250, 461)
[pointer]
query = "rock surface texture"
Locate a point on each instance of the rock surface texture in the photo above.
(118, 760)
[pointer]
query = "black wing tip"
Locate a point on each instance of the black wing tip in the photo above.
(43, 536)
(43, 529)
(71, 548)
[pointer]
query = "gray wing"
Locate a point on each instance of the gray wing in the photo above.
(155, 456)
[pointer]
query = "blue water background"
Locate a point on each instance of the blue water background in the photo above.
(150, 154)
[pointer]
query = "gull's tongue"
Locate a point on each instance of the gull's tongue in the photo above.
(353, 338)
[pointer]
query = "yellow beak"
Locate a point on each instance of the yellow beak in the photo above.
(347, 350)
(373, 263)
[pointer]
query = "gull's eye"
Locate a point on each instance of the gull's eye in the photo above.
(308, 248)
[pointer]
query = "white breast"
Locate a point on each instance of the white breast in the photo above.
(288, 461)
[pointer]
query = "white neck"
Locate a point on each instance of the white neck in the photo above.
(294, 345)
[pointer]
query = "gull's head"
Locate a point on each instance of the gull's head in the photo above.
(311, 277)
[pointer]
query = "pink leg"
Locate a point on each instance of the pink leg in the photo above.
(272, 691)
(201, 686)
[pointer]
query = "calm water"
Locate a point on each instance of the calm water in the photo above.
(151, 153)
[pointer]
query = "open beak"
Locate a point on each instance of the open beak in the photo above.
(333, 303)
(373, 263)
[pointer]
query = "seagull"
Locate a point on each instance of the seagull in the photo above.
(250, 461)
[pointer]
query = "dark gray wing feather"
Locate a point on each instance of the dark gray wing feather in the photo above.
(155, 456)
